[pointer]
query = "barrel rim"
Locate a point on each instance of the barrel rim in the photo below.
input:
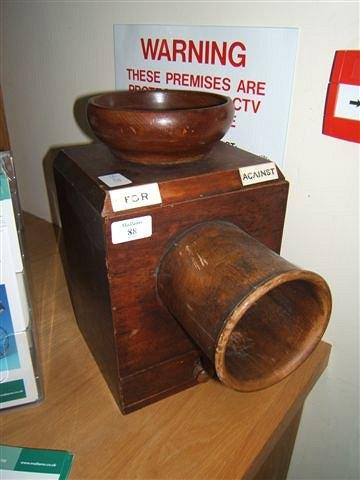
(239, 311)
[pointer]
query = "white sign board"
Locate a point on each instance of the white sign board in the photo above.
(252, 65)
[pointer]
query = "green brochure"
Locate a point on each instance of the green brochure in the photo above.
(17, 463)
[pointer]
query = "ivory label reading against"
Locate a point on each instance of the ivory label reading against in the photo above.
(263, 172)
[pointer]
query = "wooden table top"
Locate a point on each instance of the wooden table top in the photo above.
(206, 432)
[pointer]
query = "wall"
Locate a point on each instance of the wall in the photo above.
(55, 52)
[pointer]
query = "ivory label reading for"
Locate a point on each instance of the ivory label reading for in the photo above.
(131, 229)
(263, 172)
(135, 197)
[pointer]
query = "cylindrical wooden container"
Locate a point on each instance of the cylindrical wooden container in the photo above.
(256, 316)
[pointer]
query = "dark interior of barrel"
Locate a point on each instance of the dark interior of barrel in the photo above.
(275, 335)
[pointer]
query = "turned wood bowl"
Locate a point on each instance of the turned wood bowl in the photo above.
(160, 127)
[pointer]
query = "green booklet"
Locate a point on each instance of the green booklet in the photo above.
(17, 463)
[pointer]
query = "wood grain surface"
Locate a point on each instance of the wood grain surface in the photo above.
(206, 432)
(160, 127)
(255, 315)
(141, 349)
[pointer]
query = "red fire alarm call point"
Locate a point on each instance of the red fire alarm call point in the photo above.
(342, 108)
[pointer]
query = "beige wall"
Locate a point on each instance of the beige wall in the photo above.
(55, 52)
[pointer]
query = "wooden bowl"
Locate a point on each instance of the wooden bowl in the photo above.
(160, 127)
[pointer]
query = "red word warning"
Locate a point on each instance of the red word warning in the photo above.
(209, 52)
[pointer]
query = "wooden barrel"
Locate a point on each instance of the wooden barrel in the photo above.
(256, 316)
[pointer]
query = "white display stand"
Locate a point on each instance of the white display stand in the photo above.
(19, 376)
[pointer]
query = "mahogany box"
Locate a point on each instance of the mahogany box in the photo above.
(113, 250)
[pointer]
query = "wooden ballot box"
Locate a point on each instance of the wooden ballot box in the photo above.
(115, 237)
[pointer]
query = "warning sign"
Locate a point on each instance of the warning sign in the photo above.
(253, 66)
